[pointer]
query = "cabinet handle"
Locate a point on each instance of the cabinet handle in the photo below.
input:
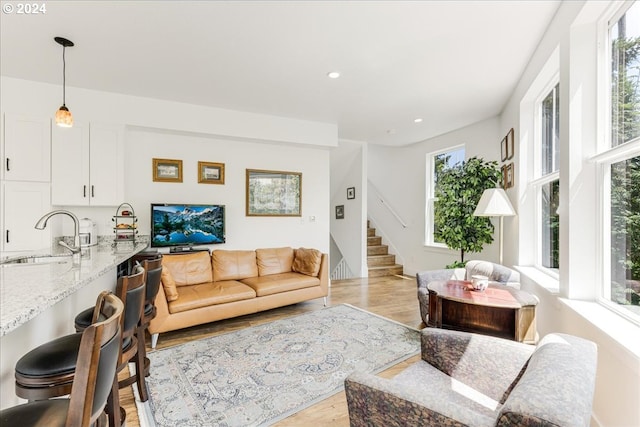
(84, 191)
(92, 195)
(8, 168)
(7, 236)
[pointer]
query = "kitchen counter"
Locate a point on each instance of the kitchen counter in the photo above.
(26, 290)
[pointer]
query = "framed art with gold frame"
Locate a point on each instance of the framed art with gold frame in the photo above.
(167, 170)
(210, 173)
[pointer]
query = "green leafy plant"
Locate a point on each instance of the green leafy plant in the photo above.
(458, 190)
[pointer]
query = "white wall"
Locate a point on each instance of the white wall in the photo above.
(163, 129)
(398, 174)
(348, 169)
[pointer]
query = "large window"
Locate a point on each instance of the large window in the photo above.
(619, 165)
(548, 182)
(436, 163)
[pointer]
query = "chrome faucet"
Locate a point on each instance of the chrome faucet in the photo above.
(42, 223)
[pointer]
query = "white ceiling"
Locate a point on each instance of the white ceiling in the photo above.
(451, 63)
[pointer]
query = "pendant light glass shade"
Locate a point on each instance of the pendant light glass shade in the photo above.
(64, 118)
(63, 115)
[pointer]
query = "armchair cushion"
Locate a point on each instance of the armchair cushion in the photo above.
(467, 379)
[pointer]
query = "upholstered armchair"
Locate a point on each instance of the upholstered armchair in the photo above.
(495, 273)
(466, 379)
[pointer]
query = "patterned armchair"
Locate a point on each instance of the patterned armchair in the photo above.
(467, 379)
(495, 273)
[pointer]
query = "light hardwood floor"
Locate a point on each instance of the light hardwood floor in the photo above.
(393, 297)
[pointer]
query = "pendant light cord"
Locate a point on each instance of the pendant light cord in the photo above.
(64, 76)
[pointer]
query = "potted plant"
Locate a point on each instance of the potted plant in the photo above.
(458, 190)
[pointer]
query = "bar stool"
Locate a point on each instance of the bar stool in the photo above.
(54, 376)
(153, 269)
(94, 374)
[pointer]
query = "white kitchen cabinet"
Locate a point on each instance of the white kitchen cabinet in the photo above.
(27, 148)
(87, 165)
(24, 203)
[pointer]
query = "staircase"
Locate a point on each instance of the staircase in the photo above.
(379, 261)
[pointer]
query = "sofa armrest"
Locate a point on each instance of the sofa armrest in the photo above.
(323, 274)
(424, 277)
(162, 312)
(488, 364)
(376, 401)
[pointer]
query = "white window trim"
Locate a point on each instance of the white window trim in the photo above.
(430, 196)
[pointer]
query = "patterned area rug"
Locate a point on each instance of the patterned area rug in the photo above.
(262, 374)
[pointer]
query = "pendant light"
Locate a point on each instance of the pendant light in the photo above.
(63, 115)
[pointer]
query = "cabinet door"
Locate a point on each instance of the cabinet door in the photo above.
(70, 165)
(23, 205)
(106, 165)
(27, 148)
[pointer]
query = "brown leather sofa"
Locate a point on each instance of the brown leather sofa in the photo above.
(200, 287)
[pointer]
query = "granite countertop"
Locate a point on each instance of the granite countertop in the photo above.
(27, 290)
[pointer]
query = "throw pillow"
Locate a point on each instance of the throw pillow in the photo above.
(307, 261)
(169, 285)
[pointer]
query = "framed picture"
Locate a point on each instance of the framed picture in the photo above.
(510, 145)
(503, 149)
(509, 176)
(351, 193)
(210, 173)
(503, 170)
(273, 193)
(167, 170)
(340, 212)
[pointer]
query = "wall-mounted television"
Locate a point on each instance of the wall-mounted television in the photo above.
(186, 225)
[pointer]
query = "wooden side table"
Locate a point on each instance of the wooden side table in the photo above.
(500, 310)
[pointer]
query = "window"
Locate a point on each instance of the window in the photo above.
(436, 163)
(619, 165)
(548, 183)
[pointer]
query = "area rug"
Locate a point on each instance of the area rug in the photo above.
(262, 374)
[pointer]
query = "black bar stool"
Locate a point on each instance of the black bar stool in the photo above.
(40, 376)
(94, 374)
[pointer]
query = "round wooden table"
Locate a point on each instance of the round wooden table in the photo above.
(499, 310)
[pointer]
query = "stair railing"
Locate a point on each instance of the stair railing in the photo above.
(341, 271)
(378, 196)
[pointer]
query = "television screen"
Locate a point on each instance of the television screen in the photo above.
(186, 225)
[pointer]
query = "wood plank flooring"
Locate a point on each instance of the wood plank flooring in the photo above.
(393, 297)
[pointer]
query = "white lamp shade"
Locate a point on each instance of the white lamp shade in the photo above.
(494, 202)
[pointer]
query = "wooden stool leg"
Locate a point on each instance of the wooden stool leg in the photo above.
(139, 362)
(113, 409)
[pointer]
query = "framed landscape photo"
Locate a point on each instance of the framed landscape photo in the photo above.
(273, 193)
(210, 173)
(351, 193)
(167, 170)
(340, 212)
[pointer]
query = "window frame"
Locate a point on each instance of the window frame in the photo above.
(430, 194)
(605, 157)
(539, 181)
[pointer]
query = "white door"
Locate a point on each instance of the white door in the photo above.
(106, 165)
(27, 148)
(24, 203)
(70, 165)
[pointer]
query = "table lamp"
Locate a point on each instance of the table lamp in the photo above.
(494, 202)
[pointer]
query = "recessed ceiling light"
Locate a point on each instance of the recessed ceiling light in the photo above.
(418, 120)
(333, 75)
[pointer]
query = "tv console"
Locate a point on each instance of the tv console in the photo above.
(179, 249)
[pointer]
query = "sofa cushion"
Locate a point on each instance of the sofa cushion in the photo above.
(557, 387)
(233, 265)
(276, 283)
(307, 261)
(207, 294)
(169, 285)
(189, 269)
(274, 260)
